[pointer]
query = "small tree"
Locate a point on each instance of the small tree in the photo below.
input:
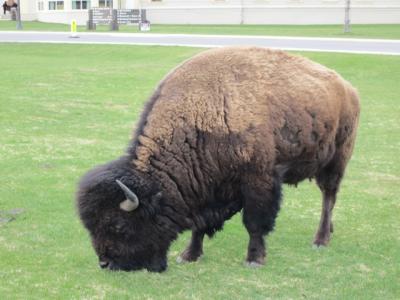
(347, 17)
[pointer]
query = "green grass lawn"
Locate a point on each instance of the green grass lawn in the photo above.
(358, 31)
(66, 108)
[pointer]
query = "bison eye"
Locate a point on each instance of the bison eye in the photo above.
(118, 228)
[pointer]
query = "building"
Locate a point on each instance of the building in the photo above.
(222, 11)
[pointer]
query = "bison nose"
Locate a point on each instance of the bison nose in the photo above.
(103, 264)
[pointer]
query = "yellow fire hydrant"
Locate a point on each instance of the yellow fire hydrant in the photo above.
(74, 33)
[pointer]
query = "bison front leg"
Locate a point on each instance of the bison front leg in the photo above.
(261, 202)
(194, 250)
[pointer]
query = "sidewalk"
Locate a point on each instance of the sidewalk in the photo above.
(341, 45)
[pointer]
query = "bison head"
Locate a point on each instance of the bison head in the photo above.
(120, 208)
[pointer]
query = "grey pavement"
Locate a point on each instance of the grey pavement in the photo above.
(367, 46)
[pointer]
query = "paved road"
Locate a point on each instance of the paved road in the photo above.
(386, 47)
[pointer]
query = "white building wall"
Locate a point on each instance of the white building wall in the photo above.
(131, 4)
(60, 16)
(234, 11)
(270, 11)
(28, 9)
(63, 16)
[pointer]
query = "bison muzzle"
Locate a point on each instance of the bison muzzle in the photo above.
(221, 134)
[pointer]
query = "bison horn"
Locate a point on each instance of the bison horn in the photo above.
(131, 202)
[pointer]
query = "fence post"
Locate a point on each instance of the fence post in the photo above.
(142, 15)
(241, 12)
(347, 17)
(18, 16)
(114, 21)
(90, 25)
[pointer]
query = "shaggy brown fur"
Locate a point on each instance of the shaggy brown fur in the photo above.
(220, 134)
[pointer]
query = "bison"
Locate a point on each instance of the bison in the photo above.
(221, 133)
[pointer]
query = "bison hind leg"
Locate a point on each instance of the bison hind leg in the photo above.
(325, 228)
(328, 180)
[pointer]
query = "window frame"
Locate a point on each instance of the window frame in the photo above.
(58, 5)
(109, 2)
(40, 5)
(88, 4)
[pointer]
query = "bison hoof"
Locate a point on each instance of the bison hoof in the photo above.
(186, 258)
(320, 243)
(254, 264)
(181, 260)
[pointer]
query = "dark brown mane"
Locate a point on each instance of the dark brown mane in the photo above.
(143, 120)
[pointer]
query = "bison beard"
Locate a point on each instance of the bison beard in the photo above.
(221, 133)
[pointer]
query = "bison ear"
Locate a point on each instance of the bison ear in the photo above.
(131, 202)
(157, 196)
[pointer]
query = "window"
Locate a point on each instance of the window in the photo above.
(56, 5)
(81, 4)
(40, 5)
(105, 3)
